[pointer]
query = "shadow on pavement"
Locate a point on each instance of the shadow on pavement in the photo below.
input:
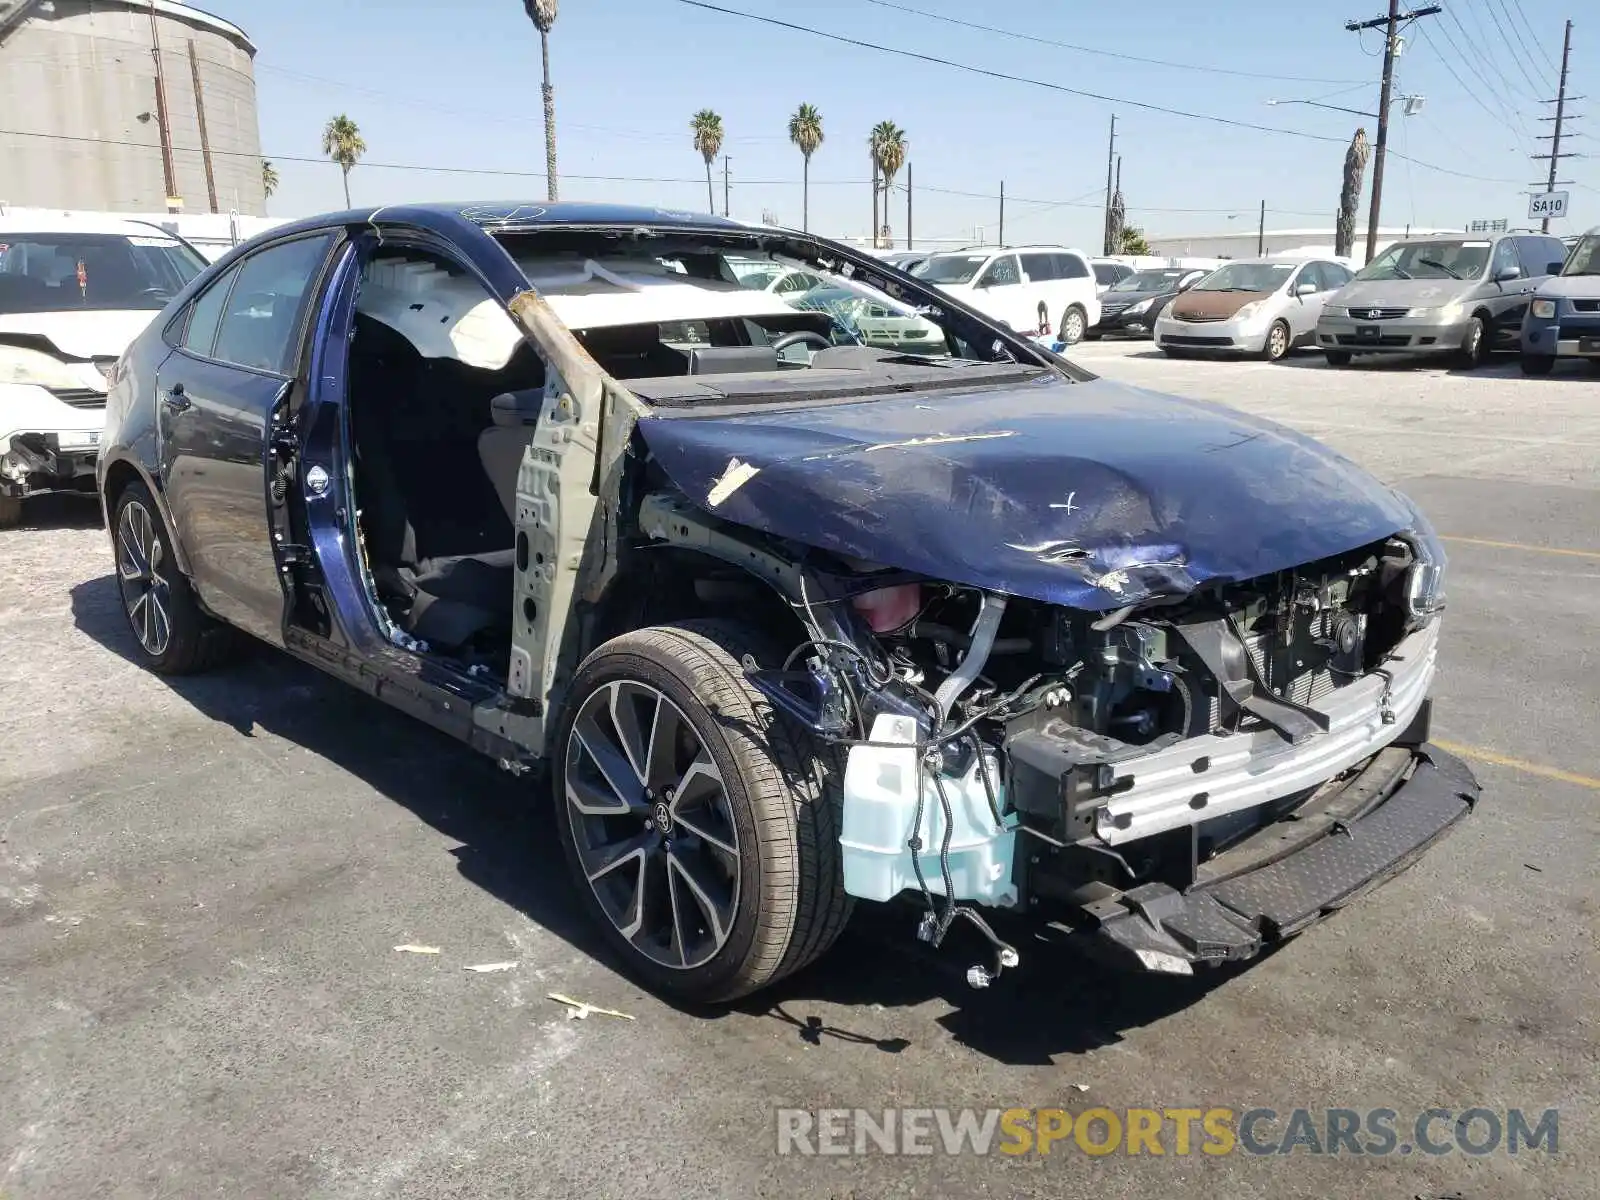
(1059, 1001)
(61, 510)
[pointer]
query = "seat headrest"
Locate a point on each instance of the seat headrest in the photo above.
(517, 408)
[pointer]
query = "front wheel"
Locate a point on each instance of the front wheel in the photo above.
(702, 828)
(10, 511)
(1074, 324)
(1277, 343)
(1337, 358)
(1538, 364)
(1474, 350)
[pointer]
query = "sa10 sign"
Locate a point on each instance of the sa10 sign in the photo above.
(1542, 205)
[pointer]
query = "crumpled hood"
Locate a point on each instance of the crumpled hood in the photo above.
(83, 333)
(1092, 495)
(1397, 293)
(1115, 299)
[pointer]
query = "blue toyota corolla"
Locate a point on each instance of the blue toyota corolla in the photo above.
(788, 621)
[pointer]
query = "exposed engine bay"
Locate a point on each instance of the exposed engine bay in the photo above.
(1008, 753)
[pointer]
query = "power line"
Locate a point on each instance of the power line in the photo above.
(1488, 70)
(1471, 92)
(1044, 41)
(976, 70)
(1505, 40)
(1543, 53)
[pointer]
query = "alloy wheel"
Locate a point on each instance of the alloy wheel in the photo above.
(652, 824)
(146, 593)
(1072, 327)
(1277, 342)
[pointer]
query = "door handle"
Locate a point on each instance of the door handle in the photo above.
(175, 398)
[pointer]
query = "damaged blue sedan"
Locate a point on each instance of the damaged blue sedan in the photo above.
(787, 621)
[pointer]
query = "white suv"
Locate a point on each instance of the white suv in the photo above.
(74, 291)
(1036, 290)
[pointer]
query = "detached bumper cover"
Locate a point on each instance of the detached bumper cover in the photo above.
(1238, 916)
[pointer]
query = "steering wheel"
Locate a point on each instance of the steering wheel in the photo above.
(809, 336)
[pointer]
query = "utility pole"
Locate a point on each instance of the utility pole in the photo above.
(171, 177)
(200, 118)
(873, 242)
(724, 185)
(1111, 154)
(1261, 231)
(1390, 25)
(1002, 212)
(908, 206)
(1555, 156)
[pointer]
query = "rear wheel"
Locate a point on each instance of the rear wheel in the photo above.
(10, 511)
(174, 636)
(1538, 364)
(1337, 358)
(1074, 324)
(702, 828)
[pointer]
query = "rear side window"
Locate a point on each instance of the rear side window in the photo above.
(1538, 253)
(206, 315)
(263, 310)
(1040, 267)
(1071, 266)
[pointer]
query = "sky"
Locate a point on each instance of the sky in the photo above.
(447, 97)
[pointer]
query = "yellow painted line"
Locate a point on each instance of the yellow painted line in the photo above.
(1517, 764)
(1471, 541)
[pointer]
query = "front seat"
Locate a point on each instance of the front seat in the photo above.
(501, 446)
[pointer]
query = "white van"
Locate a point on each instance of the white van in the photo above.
(1036, 290)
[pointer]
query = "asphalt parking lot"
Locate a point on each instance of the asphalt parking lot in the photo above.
(202, 883)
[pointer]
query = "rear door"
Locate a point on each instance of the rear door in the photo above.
(1042, 273)
(1507, 299)
(218, 395)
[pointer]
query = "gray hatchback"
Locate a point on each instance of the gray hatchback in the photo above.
(1461, 296)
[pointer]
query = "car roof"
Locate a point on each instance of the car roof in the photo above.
(80, 223)
(991, 250)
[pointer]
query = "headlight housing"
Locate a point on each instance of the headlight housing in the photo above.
(1253, 309)
(1424, 586)
(1445, 314)
(1335, 310)
(1133, 310)
(1544, 308)
(21, 365)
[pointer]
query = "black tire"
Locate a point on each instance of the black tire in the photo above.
(1337, 358)
(778, 805)
(1278, 342)
(10, 512)
(194, 642)
(1093, 337)
(1538, 364)
(1474, 350)
(1074, 324)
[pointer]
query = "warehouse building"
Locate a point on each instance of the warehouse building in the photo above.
(127, 105)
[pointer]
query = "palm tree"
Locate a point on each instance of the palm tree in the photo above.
(341, 141)
(888, 147)
(269, 177)
(707, 129)
(1355, 169)
(543, 15)
(805, 131)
